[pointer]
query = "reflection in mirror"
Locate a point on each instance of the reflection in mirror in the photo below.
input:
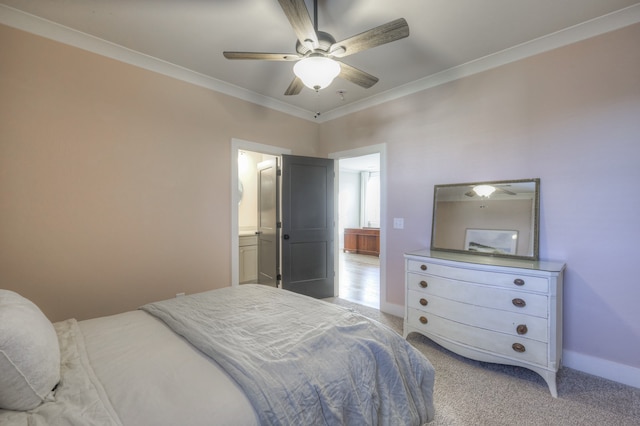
(487, 218)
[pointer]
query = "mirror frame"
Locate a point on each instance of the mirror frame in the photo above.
(536, 219)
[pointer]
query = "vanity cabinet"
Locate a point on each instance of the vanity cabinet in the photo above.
(248, 259)
(362, 241)
(499, 310)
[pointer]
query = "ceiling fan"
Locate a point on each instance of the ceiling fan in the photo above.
(318, 54)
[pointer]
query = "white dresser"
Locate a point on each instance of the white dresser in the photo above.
(506, 311)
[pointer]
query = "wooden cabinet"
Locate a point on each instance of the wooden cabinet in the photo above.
(362, 240)
(248, 259)
(505, 311)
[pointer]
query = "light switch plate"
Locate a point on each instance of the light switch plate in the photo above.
(398, 223)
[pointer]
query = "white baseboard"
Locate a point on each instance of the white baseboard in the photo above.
(620, 373)
(390, 308)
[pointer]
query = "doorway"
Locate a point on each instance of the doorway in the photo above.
(359, 229)
(257, 218)
(237, 145)
(244, 203)
(292, 233)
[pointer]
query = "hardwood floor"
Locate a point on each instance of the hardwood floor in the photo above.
(360, 279)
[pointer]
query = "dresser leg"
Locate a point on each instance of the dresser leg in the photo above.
(550, 378)
(551, 381)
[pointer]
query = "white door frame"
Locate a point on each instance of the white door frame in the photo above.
(358, 152)
(236, 146)
(239, 144)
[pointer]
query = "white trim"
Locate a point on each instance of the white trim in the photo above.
(620, 373)
(358, 152)
(236, 146)
(393, 309)
(336, 231)
(45, 28)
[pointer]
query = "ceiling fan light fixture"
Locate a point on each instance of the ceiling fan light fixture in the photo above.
(316, 72)
(484, 190)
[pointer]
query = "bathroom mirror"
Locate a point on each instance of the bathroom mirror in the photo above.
(497, 218)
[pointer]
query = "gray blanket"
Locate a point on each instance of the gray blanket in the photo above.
(302, 361)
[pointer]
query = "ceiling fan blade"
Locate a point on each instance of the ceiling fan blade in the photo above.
(357, 76)
(262, 56)
(386, 33)
(506, 191)
(295, 87)
(298, 15)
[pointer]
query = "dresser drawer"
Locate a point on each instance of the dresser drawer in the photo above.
(491, 341)
(507, 280)
(512, 323)
(480, 295)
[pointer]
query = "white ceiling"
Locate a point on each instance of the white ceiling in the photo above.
(448, 39)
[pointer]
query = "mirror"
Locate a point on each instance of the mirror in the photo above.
(497, 218)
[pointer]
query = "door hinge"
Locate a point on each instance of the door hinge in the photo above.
(279, 277)
(278, 224)
(279, 172)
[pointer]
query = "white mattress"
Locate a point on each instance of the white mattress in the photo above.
(154, 377)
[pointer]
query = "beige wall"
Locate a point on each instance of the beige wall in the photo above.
(114, 181)
(571, 117)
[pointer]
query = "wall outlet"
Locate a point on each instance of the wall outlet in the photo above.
(398, 223)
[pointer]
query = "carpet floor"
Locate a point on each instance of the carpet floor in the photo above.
(470, 392)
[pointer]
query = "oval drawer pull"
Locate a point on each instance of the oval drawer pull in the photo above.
(519, 303)
(423, 302)
(423, 284)
(518, 281)
(424, 320)
(518, 347)
(423, 267)
(522, 329)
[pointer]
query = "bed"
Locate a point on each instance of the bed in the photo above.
(247, 355)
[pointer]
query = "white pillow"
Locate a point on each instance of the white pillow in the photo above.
(29, 353)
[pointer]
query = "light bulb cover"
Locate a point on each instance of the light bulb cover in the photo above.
(316, 72)
(484, 190)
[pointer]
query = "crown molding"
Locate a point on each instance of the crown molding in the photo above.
(51, 30)
(597, 26)
(60, 33)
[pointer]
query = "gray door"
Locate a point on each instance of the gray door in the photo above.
(268, 260)
(307, 225)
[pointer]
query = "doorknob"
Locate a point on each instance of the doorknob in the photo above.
(285, 236)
